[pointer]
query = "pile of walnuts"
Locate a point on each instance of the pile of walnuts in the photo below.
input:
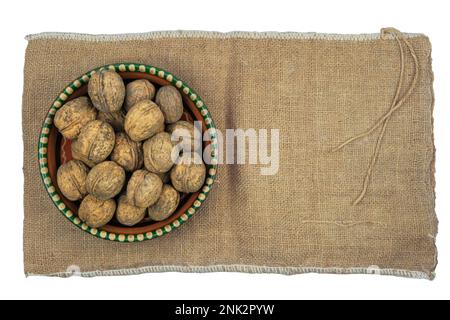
(122, 150)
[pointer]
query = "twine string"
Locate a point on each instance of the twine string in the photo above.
(395, 105)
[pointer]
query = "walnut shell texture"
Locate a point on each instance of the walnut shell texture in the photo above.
(189, 174)
(166, 204)
(184, 134)
(158, 153)
(95, 212)
(74, 115)
(105, 180)
(115, 119)
(169, 99)
(71, 178)
(138, 90)
(127, 214)
(144, 120)
(127, 153)
(144, 188)
(77, 156)
(94, 143)
(106, 90)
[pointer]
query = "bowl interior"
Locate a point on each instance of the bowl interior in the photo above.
(59, 152)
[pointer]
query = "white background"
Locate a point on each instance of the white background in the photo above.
(24, 17)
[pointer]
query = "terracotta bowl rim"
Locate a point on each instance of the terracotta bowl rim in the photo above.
(195, 101)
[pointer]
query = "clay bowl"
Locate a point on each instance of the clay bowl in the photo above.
(55, 150)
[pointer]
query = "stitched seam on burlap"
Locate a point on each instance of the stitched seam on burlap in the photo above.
(209, 35)
(245, 269)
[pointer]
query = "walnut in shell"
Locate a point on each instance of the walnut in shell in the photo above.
(115, 119)
(127, 214)
(144, 188)
(94, 143)
(138, 90)
(144, 120)
(189, 174)
(127, 153)
(71, 178)
(83, 159)
(105, 180)
(184, 135)
(170, 101)
(95, 212)
(106, 90)
(72, 116)
(166, 204)
(158, 153)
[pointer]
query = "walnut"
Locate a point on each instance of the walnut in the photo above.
(77, 156)
(138, 90)
(115, 119)
(94, 143)
(95, 212)
(158, 153)
(189, 174)
(127, 214)
(166, 204)
(105, 180)
(144, 120)
(144, 188)
(106, 90)
(127, 152)
(72, 116)
(184, 134)
(71, 178)
(171, 103)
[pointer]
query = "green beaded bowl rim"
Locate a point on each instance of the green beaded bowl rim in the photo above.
(43, 156)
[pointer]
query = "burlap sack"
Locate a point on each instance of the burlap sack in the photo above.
(318, 90)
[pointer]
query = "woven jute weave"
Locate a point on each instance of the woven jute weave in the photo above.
(318, 90)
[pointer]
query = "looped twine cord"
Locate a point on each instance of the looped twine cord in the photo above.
(397, 102)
